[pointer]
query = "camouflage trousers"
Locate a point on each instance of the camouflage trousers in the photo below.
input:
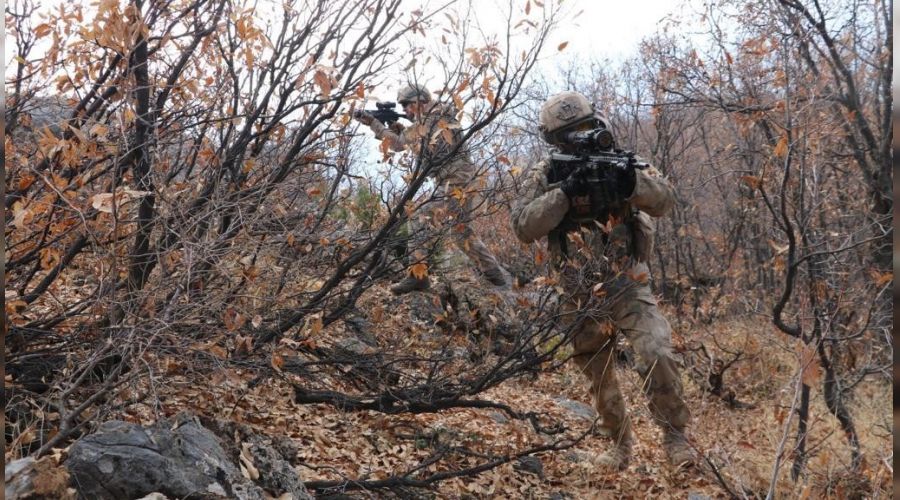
(452, 207)
(633, 311)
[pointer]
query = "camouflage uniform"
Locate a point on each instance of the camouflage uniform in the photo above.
(603, 270)
(439, 130)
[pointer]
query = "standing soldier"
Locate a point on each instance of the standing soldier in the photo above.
(602, 262)
(434, 127)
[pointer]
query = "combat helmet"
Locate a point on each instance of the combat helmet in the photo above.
(567, 110)
(413, 92)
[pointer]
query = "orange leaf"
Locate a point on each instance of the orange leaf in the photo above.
(812, 372)
(562, 46)
(420, 270)
(781, 148)
(752, 181)
(315, 325)
(49, 257)
(218, 351)
(233, 319)
(881, 279)
(277, 361)
(376, 314)
(640, 277)
(323, 81)
(243, 344)
(42, 30)
(458, 102)
(447, 135)
(25, 181)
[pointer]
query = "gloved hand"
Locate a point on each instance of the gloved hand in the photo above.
(624, 181)
(363, 117)
(396, 128)
(576, 184)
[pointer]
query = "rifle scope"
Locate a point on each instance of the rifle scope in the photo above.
(600, 138)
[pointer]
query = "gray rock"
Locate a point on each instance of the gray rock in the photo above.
(424, 307)
(531, 465)
(498, 417)
(353, 346)
(276, 473)
(697, 496)
(576, 456)
(578, 408)
(178, 459)
(18, 475)
(362, 328)
(125, 460)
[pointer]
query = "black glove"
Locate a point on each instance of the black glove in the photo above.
(623, 182)
(576, 184)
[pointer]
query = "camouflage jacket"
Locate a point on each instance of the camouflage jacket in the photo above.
(598, 250)
(439, 131)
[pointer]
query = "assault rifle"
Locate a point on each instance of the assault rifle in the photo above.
(601, 176)
(384, 113)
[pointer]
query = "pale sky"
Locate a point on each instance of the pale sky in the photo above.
(593, 29)
(610, 29)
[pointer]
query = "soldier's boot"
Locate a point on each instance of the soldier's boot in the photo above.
(617, 458)
(678, 449)
(410, 284)
(495, 276)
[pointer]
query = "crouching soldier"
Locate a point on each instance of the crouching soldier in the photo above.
(599, 232)
(451, 169)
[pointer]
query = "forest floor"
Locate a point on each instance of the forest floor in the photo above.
(741, 443)
(738, 445)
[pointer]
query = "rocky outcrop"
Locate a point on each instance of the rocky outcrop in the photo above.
(178, 458)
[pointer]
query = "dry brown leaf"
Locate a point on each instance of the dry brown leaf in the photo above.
(752, 181)
(277, 361)
(233, 319)
(781, 149)
(323, 81)
(246, 463)
(420, 270)
(880, 279)
(812, 372)
(42, 30)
